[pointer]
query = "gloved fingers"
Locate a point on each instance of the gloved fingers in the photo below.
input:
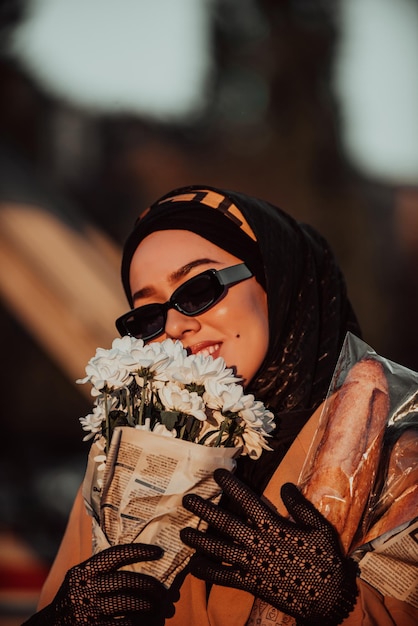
(302, 511)
(143, 616)
(117, 556)
(245, 498)
(130, 620)
(119, 602)
(132, 598)
(129, 582)
(150, 586)
(216, 573)
(110, 621)
(116, 593)
(219, 519)
(135, 619)
(214, 548)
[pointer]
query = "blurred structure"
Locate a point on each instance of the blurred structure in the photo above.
(73, 179)
(61, 284)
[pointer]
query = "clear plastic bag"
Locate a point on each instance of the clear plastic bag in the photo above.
(363, 457)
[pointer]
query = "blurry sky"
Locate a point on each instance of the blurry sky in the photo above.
(154, 58)
(377, 82)
(148, 57)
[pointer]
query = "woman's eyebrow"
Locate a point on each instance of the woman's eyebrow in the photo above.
(185, 269)
(173, 278)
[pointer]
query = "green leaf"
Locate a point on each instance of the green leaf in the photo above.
(118, 418)
(194, 426)
(197, 387)
(169, 418)
(207, 435)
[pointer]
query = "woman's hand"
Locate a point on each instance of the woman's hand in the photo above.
(97, 592)
(296, 566)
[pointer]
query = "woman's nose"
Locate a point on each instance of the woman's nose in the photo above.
(178, 324)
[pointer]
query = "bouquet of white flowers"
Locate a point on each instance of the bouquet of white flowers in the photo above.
(153, 403)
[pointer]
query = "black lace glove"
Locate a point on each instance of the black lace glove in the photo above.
(97, 592)
(296, 566)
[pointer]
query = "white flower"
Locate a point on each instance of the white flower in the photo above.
(126, 344)
(174, 398)
(253, 443)
(199, 369)
(162, 431)
(159, 429)
(177, 369)
(101, 459)
(154, 358)
(106, 369)
(163, 355)
(257, 415)
(207, 368)
(151, 358)
(131, 376)
(225, 397)
(145, 426)
(174, 349)
(92, 423)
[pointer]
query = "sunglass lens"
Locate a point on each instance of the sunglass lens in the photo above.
(146, 323)
(198, 294)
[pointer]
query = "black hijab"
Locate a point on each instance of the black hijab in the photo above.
(309, 311)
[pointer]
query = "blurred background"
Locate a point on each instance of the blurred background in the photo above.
(105, 105)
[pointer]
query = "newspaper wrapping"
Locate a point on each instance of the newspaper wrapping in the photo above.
(137, 495)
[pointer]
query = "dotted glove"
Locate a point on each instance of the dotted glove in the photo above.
(296, 566)
(97, 592)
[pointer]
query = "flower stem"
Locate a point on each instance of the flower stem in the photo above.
(128, 397)
(223, 428)
(107, 417)
(142, 405)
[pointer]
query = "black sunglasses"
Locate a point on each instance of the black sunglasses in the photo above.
(193, 297)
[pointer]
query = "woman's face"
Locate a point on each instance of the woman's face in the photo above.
(236, 328)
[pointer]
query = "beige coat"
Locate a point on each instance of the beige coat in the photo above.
(226, 606)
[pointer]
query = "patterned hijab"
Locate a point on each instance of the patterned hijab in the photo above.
(309, 311)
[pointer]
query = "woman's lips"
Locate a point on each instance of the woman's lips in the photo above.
(206, 348)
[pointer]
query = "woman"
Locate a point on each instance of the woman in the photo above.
(279, 318)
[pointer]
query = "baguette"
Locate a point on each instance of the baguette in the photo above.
(402, 471)
(403, 509)
(345, 463)
(400, 489)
